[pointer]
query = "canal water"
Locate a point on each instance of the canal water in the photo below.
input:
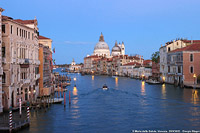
(127, 105)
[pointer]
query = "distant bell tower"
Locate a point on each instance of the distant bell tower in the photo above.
(73, 62)
(122, 48)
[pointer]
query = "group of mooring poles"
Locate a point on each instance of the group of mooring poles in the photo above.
(62, 93)
(20, 113)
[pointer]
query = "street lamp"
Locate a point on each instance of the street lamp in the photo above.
(194, 76)
(163, 78)
(142, 76)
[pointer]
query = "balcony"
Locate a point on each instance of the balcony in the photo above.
(26, 81)
(13, 60)
(24, 63)
(37, 62)
(37, 76)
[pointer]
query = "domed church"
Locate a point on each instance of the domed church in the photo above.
(102, 48)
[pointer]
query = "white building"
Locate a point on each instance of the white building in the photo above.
(74, 67)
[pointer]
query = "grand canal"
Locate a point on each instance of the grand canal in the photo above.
(129, 104)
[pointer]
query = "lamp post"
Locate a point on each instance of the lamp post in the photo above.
(142, 76)
(194, 76)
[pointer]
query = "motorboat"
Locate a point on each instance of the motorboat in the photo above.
(105, 87)
(153, 82)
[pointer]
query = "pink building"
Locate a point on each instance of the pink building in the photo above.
(183, 64)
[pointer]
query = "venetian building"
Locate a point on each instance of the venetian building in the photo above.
(101, 48)
(116, 50)
(20, 61)
(1, 69)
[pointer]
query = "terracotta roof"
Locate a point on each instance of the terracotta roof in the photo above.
(192, 47)
(42, 37)
(92, 56)
(189, 41)
(24, 21)
(5, 17)
(147, 61)
(132, 63)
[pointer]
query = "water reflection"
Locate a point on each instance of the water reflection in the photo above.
(75, 91)
(92, 77)
(75, 110)
(116, 81)
(143, 88)
(195, 97)
(164, 91)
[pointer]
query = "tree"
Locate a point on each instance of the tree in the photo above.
(155, 57)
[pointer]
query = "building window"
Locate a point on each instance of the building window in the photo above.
(17, 31)
(3, 28)
(4, 78)
(28, 35)
(179, 69)
(32, 36)
(3, 52)
(11, 27)
(17, 91)
(168, 49)
(191, 57)
(20, 32)
(168, 69)
(191, 69)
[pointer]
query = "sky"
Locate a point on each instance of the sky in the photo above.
(75, 25)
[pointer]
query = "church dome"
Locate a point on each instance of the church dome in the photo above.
(116, 48)
(101, 44)
(101, 48)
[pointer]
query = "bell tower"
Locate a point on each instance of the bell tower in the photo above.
(122, 48)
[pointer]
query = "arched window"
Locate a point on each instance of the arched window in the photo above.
(191, 57)
(4, 77)
(191, 69)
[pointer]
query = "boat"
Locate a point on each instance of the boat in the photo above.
(105, 87)
(56, 100)
(153, 82)
(114, 77)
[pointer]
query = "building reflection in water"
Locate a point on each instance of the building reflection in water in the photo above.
(164, 91)
(143, 88)
(92, 77)
(116, 81)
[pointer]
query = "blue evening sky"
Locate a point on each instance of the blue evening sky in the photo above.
(75, 25)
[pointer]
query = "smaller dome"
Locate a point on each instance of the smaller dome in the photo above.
(116, 48)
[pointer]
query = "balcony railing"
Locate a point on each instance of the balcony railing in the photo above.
(37, 76)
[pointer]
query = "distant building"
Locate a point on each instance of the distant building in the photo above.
(45, 70)
(1, 68)
(45, 41)
(75, 67)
